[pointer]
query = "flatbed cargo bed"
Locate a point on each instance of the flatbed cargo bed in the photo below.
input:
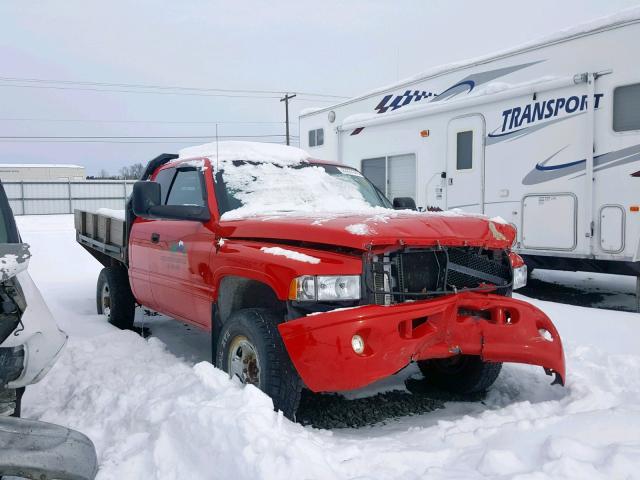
(102, 235)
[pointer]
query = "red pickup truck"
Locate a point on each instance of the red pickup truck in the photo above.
(307, 277)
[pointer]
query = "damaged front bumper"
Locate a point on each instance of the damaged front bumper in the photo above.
(497, 328)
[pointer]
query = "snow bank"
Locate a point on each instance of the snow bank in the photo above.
(300, 257)
(154, 415)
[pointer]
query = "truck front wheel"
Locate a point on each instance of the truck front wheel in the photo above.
(250, 349)
(461, 374)
(114, 297)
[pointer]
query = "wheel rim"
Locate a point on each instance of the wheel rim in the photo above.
(243, 361)
(105, 297)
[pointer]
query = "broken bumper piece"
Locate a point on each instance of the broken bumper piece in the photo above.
(499, 329)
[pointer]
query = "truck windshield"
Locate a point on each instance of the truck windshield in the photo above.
(246, 188)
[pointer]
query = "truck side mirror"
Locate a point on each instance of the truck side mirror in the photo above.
(145, 196)
(404, 203)
(145, 201)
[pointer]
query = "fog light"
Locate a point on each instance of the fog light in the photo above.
(357, 343)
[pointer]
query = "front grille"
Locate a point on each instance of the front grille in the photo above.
(415, 274)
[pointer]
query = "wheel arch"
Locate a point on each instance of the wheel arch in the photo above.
(236, 292)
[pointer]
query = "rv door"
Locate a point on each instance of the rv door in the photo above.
(465, 163)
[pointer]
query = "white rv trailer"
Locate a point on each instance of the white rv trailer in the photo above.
(546, 136)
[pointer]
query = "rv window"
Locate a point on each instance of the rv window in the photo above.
(395, 176)
(375, 170)
(464, 148)
(316, 137)
(626, 108)
(402, 176)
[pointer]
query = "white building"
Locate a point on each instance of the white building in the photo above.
(17, 172)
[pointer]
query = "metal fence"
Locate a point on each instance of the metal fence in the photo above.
(56, 197)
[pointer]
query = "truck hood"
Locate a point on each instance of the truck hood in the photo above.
(361, 231)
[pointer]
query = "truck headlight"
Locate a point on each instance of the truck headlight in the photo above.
(520, 277)
(325, 288)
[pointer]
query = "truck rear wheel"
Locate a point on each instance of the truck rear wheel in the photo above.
(461, 374)
(114, 297)
(250, 349)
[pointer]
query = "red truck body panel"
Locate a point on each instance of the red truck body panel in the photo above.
(425, 229)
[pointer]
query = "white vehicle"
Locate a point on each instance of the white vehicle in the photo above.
(30, 340)
(546, 136)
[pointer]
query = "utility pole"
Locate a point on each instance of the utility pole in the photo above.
(286, 99)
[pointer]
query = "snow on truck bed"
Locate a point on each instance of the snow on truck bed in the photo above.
(153, 414)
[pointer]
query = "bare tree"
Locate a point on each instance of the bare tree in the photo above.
(132, 172)
(103, 174)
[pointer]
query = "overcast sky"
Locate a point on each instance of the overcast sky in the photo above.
(323, 47)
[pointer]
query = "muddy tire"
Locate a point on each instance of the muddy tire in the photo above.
(251, 349)
(462, 374)
(114, 298)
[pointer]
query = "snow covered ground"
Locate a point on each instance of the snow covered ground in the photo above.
(155, 410)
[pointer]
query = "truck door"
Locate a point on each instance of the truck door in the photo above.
(465, 163)
(179, 271)
(142, 248)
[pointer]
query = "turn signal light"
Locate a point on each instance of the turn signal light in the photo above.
(634, 208)
(516, 260)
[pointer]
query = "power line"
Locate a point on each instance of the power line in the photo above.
(108, 90)
(163, 87)
(124, 142)
(79, 120)
(118, 137)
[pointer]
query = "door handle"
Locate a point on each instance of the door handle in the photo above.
(155, 237)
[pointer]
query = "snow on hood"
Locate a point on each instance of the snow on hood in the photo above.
(250, 151)
(291, 254)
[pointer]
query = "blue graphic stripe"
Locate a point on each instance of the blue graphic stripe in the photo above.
(496, 135)
(543, 168)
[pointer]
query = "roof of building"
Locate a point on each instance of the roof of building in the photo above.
(39, 165)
